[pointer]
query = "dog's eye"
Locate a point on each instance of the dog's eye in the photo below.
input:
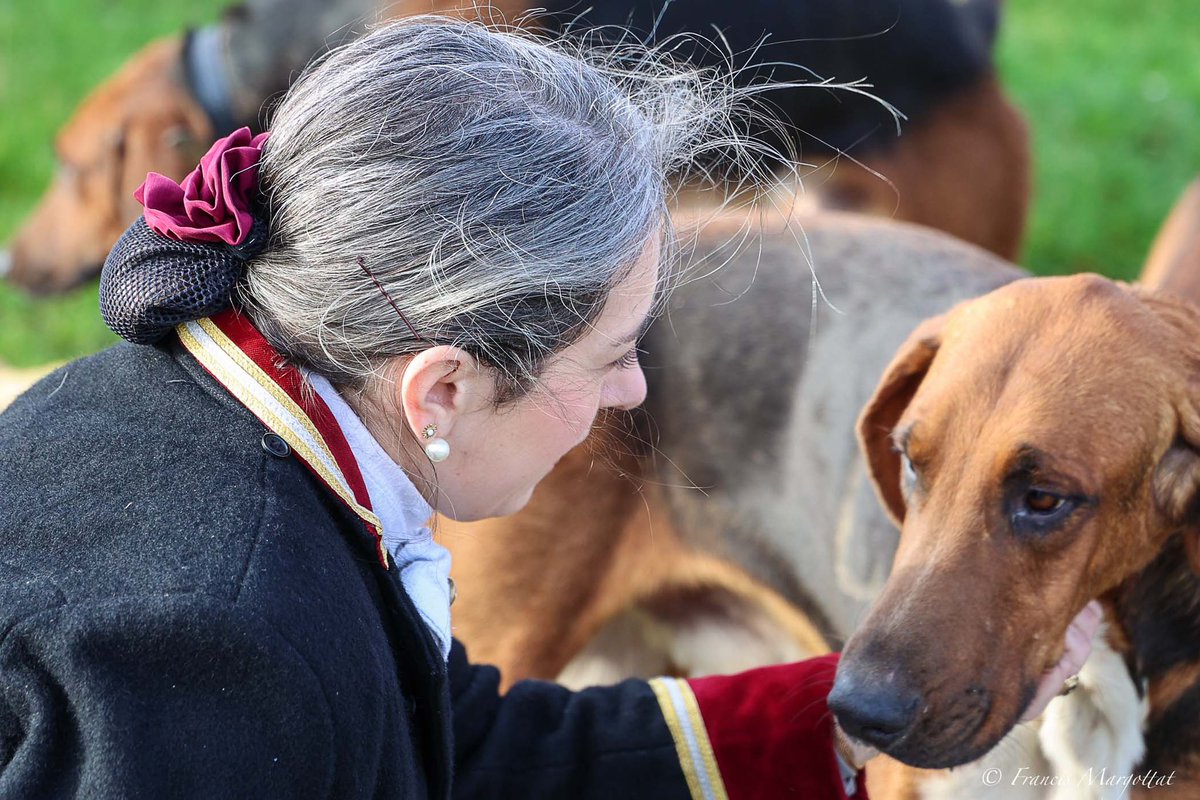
(1040, 502)
(908, 473)
(177, 137)
(1038, 511)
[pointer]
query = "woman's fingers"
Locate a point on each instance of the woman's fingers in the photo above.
(1080, 635)
(854, 753)
(1079, 638)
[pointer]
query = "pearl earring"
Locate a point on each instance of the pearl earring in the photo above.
(436, 449)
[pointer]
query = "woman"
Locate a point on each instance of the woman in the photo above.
(414, 295)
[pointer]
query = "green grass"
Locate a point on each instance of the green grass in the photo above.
(1111, 89)
(51, 55)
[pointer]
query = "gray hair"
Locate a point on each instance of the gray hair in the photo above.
(437, 181)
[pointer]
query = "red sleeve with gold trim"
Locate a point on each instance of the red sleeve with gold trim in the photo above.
(761, 734)
(766, 733)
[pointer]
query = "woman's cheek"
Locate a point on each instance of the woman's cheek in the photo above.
(581, 414)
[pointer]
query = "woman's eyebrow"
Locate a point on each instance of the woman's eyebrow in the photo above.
(635, 334)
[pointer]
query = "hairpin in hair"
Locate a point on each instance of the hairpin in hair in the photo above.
(363, 266)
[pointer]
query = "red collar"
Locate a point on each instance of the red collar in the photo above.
(232, 350)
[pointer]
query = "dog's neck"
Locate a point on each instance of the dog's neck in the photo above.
(1157, 613)
(204, 73)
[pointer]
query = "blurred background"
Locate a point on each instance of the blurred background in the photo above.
(1110, 90)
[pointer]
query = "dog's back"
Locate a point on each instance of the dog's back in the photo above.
(914, 53)
(756, 377)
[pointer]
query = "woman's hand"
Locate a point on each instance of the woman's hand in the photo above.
(855, 754)
(1079, 646)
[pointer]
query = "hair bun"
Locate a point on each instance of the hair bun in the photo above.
(181, 259)
(150, 283)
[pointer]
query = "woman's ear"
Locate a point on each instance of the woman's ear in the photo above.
(892, 396)
(438, 386)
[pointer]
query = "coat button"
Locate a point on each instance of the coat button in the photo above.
(274, 444)
(453, 590)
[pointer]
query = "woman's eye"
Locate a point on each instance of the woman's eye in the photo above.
(627, 361)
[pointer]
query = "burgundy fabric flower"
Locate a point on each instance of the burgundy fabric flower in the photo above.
(213, 202)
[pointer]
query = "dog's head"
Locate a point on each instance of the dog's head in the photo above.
(142, 119)
(1037, 446)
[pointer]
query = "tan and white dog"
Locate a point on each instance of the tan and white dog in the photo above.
(731, 521)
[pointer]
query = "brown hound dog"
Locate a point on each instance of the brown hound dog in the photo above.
(1040, 447)
(963, 167)
(1111, 724)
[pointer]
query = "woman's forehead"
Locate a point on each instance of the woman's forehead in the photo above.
(630, 302)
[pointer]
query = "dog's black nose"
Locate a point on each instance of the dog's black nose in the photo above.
(874, 712)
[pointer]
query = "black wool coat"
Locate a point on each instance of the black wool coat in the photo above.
(184, 614)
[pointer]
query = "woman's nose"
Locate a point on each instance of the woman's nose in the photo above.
(626, 390)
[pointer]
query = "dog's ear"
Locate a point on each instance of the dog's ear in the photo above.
(892, 395)
(1177, 481)
(163, 127)
(169, 141)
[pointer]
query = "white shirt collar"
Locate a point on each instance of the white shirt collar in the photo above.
(424, 564)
